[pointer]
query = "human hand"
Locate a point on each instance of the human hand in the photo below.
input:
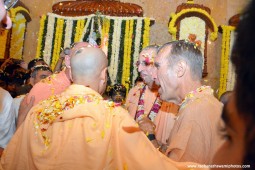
(64, 52)
(147, 126)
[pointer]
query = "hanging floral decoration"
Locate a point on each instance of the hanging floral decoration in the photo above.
(174, 17)
(227, 75)
(194, 19)
(17, 35)
(3, 41)
(122, 37)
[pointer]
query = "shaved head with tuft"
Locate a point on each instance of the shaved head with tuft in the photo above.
(88, 66)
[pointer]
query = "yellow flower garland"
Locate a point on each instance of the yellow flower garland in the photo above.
(126, 43)
(77, 31)
(173, 28)
(3, 39)
(128, 61)
(225, 54)
(80, 32)
(57, 42)
(146, 34)
(40, 36)
(79, 28)
(105, 31)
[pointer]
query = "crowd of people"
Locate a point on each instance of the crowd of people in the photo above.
(169, 119)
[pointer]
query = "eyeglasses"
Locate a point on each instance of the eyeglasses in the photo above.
(8, 4)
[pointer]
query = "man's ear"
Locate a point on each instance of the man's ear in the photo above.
(103, 75)
(32, 81)
(181, 68)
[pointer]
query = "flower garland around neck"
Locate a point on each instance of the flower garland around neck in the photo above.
(140, 108)
(191, 94)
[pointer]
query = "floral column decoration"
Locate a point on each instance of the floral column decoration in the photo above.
(193, 19)
(227, 72)
(19, 16)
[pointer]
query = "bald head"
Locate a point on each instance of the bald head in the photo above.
(77, 46)
(87, 65)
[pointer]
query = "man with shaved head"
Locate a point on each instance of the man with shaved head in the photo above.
(52, 85)
(79, 130)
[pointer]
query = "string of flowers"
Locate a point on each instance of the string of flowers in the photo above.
(73, 29)
(85, 29)
(127, 82)
(68, 33)
(105, 36)
(57, 45)
(140, 113)
(117, 51)
(136, 50)
(225, 54)
(3, 41)
(125, 57)
(174, 17)
(192, 95)
(48, 41)
(115, 43)
(40, 36)
(231, 72)
(79, 29)
(146, 37)
(129, 52)
(222, 69)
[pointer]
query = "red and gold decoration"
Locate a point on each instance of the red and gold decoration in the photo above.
(193, 21)
(105, 7)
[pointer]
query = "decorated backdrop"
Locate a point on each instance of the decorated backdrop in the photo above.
(126, 36)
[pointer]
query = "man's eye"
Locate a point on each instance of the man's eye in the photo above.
(43, 77)
(146, 63)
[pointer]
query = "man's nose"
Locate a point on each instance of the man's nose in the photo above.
(154, 74)
(140, 67)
